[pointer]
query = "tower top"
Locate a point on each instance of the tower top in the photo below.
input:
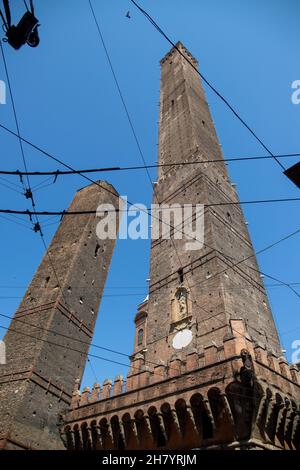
(179, 46)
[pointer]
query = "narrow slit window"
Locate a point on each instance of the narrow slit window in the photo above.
(180, 275)
(97, 250)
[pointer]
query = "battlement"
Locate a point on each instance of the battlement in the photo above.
(156, 406)
(268, 368)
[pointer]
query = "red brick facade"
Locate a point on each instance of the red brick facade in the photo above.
(226, 387)
(229, 387)
(205, 401)
(48, 339)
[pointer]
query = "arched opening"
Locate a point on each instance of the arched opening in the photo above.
(133, 431)
(273, 417)
(202, 419)
(157, 431)
(107, 438)
(77, 438)
(168, 420)
(118, 433)
(244, 402)
(140, 337)
(180, 407)
(86, 443)
(68, 441)
(96, 442)
(222, 419)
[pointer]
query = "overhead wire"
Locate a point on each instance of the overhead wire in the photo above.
(266, 149)
(143, 167)
(103, 188)
(96, 183)
(135, 134)
(28, 193)
(268, 286)
(90, 355)
(113, 361)
(14, 319)
(15, 222)
(146, 210)
(222, 98)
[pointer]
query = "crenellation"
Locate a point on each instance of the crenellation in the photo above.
(159, 373)
(106, 388)
(214, 378)
(261, 354)
(284, 367)
(175, 367)
(144, 377)
(85, 395)
(96, 393)
(118, 385)
(210, 353)
(295, 374)
(273, 361)
(192, 360)
(206, 371)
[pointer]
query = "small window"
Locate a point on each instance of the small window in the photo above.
(140, 337)
(180, 275)
(97, 250)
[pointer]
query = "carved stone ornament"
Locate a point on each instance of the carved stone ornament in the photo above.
(180, 308)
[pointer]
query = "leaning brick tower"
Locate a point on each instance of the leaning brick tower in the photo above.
(187, 134)
(207, 369)
(48, 339)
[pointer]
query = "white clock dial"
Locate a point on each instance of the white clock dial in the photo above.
(182, 339)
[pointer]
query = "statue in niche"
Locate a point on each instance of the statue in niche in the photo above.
(182, 302)
(180, 307)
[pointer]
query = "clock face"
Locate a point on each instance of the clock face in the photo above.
(182, 339)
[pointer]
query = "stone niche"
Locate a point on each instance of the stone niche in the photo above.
(181, 309)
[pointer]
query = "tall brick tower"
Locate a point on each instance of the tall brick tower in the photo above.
(207, 369)
(209, 300)
(63, 298)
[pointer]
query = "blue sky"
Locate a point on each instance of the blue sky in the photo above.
(68, 104)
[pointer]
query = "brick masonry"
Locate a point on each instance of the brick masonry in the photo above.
(229, 387)
(63, 298)
(187, 133)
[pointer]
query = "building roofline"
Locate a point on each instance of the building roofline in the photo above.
(100, 183)
(183, 49)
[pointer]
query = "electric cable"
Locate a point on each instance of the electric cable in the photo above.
(142, 167)
(225, 101)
